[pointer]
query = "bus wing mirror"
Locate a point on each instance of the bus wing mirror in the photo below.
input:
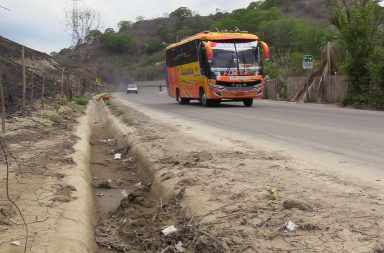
(265, 50)
(209, 51)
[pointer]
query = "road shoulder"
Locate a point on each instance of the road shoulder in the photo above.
(244, 192)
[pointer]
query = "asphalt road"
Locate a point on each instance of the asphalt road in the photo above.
(345, 135)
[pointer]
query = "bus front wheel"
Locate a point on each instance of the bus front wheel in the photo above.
(203, 99)
(248, 102)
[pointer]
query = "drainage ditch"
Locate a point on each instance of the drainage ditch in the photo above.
(130, 215)
(113, 179)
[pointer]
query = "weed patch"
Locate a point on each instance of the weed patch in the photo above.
(59, 103)
(123, 113)
(364, 101)
(81, 100)
(56, 119)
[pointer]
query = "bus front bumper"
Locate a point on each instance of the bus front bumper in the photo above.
(219, 92)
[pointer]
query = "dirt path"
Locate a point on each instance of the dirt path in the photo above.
(242, 196)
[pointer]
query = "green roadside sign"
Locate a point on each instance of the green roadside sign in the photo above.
(307, 62)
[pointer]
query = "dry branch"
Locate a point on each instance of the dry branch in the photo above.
(327, 68)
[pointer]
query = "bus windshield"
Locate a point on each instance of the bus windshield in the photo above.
(235, 59)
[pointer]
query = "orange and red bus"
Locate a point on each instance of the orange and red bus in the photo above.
(216, 66)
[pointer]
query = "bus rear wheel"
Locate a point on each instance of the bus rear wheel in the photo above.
(248, 102)
(180, 100)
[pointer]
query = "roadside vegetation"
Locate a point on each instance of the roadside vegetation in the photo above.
(121, 112)
(63, 110)
(81, 99)
(360, 32)
(292, 29)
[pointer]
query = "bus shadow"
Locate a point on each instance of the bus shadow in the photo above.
(221, 105)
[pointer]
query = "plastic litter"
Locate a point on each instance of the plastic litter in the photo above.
(16, 243)
(124, 193)
(169, 230)
(290, 226)
(179, 247)
(117, 156)
(108, 141)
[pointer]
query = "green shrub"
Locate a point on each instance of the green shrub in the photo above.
(375, 101)
(81, 100)
(117, 43)
(127, 119)
(57, 119)
(59, 103)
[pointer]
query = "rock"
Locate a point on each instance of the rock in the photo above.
(290, 204)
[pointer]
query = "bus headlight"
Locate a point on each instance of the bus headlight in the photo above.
(258, 86)
(220, 87)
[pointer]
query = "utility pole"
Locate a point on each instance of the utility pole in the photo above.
(23, 109)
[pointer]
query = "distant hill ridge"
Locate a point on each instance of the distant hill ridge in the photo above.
(313, 10)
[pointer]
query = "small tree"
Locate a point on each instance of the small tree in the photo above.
(358, 23)
(181, 13)
(254, 5)
(80, 21)
(93, 36)
(124, 25)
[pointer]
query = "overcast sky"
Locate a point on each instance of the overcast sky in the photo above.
(40, 24)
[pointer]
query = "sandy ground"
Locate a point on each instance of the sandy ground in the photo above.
(243, 195)
(39, 154)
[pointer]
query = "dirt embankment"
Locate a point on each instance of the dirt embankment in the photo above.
(49, 183)
(242, 198)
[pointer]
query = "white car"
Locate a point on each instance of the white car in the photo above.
(132, 88)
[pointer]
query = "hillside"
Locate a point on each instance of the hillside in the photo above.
(313, 10)
(10, 61)
(135, 51)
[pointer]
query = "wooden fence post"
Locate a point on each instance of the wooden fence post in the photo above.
(2, 101)
(31, 98)
(42, 93)
(62, 82)
(23, 109)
